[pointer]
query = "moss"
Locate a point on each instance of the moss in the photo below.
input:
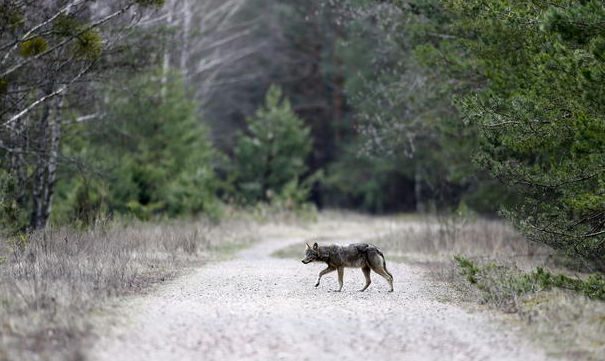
(88, 45)
(33, 47)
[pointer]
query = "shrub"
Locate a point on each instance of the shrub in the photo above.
(499, 282)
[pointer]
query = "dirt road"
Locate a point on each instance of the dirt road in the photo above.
(261, 308)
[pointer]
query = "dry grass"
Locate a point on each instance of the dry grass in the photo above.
(427, 239)
(343, 227)
(437, 239)
(567, 324)
(51, 283)
(297, 251)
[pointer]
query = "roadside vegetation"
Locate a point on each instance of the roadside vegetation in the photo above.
(562, 310)
(487, 264)
(54, 281)
(122, 121)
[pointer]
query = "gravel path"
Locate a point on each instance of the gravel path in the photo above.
(261, 308)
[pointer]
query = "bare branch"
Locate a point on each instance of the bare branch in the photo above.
(46, 97)
(587, 235)
(69, 39)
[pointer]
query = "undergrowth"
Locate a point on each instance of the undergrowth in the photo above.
(505, 282)
(53, 280)
(561, 311)
(565, 315)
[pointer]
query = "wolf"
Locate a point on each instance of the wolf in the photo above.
(358, 255)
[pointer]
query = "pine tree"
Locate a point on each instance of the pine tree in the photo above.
(535, 73)
(272, 156)
(153, 153)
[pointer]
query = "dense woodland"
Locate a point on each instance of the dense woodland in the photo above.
(179, 108)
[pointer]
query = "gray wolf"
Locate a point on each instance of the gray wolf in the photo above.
(358, 255)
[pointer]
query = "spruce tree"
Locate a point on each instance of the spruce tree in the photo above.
(534, 73)
(272, 155)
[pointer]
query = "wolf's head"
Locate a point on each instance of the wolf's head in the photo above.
(311, 254)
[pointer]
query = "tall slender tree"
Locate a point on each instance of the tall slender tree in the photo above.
(47, 49)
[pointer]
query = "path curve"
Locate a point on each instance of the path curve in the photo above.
(261, 308)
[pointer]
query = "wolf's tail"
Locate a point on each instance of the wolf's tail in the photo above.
(384, 263)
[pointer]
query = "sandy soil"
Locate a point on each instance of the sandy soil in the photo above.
(261, 308)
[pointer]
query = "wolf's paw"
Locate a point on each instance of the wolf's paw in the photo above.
(317, 284)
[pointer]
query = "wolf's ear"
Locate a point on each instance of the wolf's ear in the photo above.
(308, 247)
(315, 246)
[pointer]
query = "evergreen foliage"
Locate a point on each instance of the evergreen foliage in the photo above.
(33, 47)
(270, 159)
(154, 155)
(409, 126)
(13, 219)
(539, 106)
(368, 182)
(89, 44)
(56, 56)
(526, 78)
(452, 98)
(151, 3)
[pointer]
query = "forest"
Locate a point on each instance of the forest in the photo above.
(176, 108)
(141, 138)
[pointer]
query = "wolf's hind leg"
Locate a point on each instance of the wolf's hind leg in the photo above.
(378, 265)
(387, 276)
(323, 272)
(366, 272)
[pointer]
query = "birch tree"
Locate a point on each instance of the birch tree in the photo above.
(47, 49)
(208, 39)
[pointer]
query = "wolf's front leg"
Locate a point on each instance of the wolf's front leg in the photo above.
(323, 272)
(366, 274)
(341, 272)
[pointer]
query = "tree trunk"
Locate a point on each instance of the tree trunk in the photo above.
(42, 142)
(337, 98)
(17, 165)
(186, 14)
(46, 170)
(51, 166)
(420, 207)
(166, 58)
